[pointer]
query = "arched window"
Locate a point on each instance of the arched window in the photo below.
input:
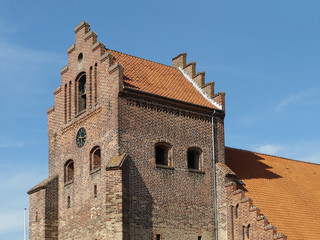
(95, 158)
(163, 154)
(194, 158)
(69, 171)
(81, 93)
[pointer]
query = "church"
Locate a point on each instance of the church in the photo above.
(137, 152)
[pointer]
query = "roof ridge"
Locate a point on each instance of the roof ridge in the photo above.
(290, 159)
(200, 90)
(141, 58)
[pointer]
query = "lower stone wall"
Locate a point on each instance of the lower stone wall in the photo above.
(114, 205)
(51, 210)
(37, 215)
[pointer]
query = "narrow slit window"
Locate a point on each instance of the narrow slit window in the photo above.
(95, 191)
(243, 232)
(65, 103)
(90, 88)
(95, 84)
(237, 211)
(248, 232)
(68, 202)
(69, 100)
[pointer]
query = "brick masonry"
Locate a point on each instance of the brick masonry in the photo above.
(238, 218)
(137, 199)
(172, 201)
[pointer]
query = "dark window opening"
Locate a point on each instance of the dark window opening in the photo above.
(68, 202)
(95, 191)
(199, 237)
(80, 57)
(65, 103)
(82, 95)
(158, 237)
(95, 161)
(194, 156)
(68, 171)
(248, 231)
(237, 211)
(95, 84)
(243, 232)
(90, 88)
(69, 99)
(37, 217)
(162, 154)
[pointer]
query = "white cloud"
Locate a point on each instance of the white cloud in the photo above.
(293, 98)
(271, 149)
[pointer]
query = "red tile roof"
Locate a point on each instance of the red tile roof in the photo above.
(286, 191)
(159, 79)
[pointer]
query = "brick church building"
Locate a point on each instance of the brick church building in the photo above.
(137, 151)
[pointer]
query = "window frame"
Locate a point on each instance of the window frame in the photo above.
(167, 162)
(92, 159)
(67, 166)
(199, 165)
(78, 97)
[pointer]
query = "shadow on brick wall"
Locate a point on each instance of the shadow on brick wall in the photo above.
(139, 205)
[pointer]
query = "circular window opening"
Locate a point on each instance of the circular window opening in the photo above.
(80, 57)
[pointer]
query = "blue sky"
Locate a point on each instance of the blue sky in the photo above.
(264, 54)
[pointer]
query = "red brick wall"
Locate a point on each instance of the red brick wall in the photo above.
(141, 200)
(174, 202)
(246, 215)
(87, 217)
(37, 215)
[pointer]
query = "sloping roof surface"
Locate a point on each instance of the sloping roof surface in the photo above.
(42, 185)
(286, 191)
(159, 79)
(116, 161)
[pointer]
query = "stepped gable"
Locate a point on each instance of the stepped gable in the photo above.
(286, 191)
(159, 79)
(246, 215)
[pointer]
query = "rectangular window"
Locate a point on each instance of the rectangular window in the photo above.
(158, 237)
(95, 191)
